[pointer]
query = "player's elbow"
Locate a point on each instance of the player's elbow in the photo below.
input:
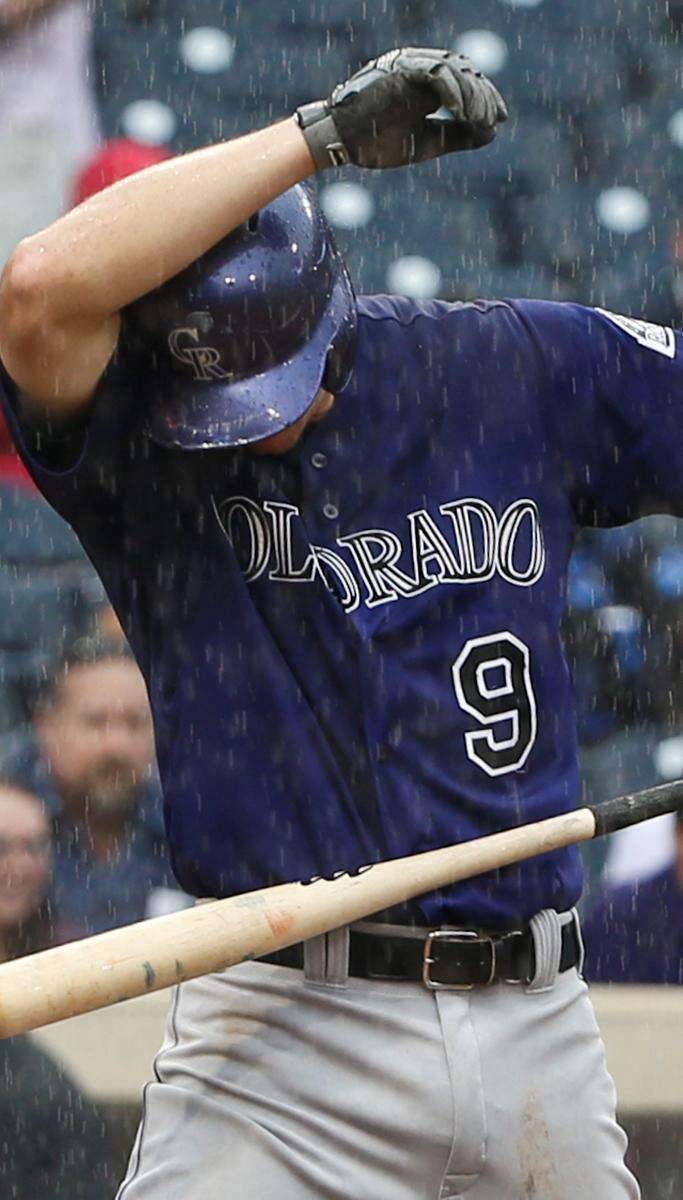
(24, 293)
(50, 354)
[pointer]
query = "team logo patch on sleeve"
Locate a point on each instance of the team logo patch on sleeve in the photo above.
(653, 337)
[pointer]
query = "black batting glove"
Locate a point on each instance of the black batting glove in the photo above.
(406, 106)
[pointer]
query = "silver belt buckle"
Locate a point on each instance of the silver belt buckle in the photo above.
(454, 935)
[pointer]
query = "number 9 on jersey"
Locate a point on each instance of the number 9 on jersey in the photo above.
(493, 683)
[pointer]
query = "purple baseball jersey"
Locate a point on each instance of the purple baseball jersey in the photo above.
(353, 652)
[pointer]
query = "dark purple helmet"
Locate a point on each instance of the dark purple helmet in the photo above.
(238, 344)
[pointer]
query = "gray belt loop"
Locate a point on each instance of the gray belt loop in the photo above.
(326, 958)
(579, 937)
(315, 959)
(546, 929)
(337, 969)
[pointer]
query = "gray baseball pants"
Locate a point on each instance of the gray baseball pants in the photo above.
(277, 1084)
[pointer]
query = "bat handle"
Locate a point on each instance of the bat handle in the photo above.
(639, 806)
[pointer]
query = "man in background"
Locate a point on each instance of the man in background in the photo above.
(91, 758)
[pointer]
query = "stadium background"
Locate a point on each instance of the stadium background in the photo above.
(580, 198)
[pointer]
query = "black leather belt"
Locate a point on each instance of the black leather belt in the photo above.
(443, 958)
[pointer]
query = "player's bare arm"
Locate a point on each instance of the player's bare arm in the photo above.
(63, 288)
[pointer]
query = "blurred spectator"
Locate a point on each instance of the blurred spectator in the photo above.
(47, 591)
(25, 872)
(53, 1142)
(91, 759)
(625, 639)
(639, 757)
(12, 470)
(48, 120)
(634, 934)
(106, 625)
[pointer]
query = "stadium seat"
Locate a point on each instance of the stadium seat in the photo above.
(47, 587)
(633, 19)
(639, 145)
(12, 711)
(642, 19)
(411, 218)
(540, 56)
(495, 281)
(367, 29)
(563, 76)
(531, 154)
(31, 531)
(167, 70)
(36, 610)
(567, 230)
(223, 72)
(635, 291)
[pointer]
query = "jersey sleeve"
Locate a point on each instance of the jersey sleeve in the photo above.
(79, 468)
(612, 394)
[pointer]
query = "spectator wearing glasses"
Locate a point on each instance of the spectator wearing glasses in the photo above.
(25, 872)
(53, 1142)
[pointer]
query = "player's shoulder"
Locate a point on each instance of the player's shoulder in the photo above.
(405, 310)
(520, 317)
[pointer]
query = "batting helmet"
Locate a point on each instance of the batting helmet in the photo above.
(236, 346)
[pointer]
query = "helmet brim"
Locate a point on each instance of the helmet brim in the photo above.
(221, 413)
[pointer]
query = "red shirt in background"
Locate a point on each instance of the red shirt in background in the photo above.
(12, 470)
(113, 161)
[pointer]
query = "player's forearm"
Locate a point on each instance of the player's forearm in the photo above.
(125, 241)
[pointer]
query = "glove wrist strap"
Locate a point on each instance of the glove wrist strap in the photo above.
(318, 127)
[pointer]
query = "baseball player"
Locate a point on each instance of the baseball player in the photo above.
(336, 531)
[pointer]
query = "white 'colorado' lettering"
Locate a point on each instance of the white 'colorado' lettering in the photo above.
(376, 566)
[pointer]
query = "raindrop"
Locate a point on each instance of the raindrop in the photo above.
(348, 205)
(523, 3)
(623, 209)
(148, 121)
(414, 276)
(488, 50)
(207, 50)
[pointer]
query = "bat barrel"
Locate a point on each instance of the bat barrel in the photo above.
(637, 806)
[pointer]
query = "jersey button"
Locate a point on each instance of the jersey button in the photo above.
(319, 460)
(330, 511)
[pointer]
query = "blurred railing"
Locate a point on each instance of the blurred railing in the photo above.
(109, 1053)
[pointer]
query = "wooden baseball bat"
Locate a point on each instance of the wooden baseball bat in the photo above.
(126, 962)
